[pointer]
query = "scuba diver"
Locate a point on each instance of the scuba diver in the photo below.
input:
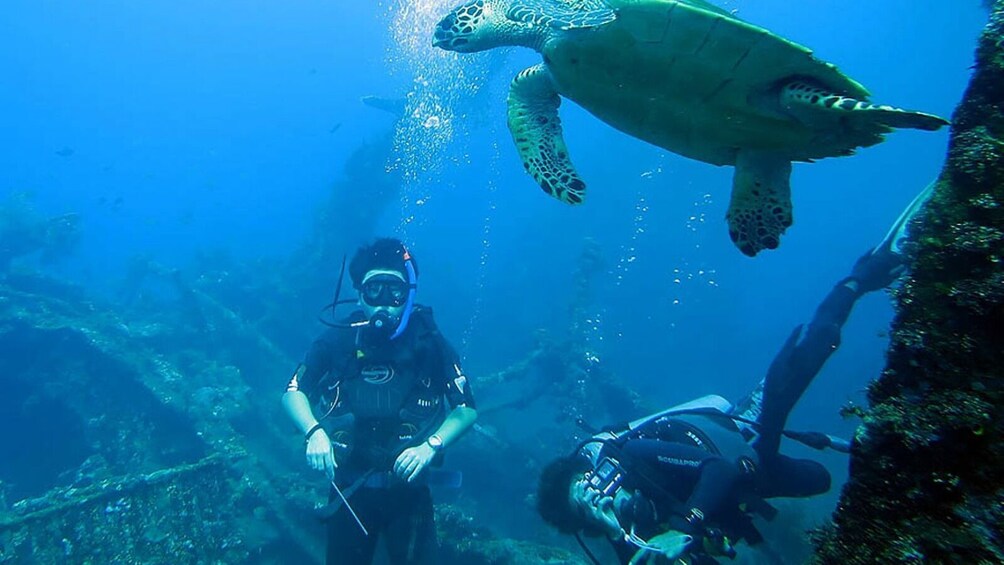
(683, 485)
(378, 398)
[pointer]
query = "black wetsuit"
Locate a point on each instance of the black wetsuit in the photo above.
(799, 361)
(682, 467)
(675, 466)
(382, 398)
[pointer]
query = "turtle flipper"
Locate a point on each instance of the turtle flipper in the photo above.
(562, 14)
(536, 129)
(810, 103)
(760, 209)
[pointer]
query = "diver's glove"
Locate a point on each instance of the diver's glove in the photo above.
(716, 544)
(876, 270)
(671, 544)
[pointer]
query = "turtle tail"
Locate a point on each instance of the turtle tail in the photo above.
(801, 98)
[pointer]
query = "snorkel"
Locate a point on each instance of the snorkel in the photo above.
(409, 304)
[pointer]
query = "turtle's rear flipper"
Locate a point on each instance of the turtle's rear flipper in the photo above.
(536, 129)
(812, 104)
(760, 209)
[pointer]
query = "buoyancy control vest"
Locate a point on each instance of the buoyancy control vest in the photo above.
(715, 434)
(686, 412)
(705, 423)
(385, 393)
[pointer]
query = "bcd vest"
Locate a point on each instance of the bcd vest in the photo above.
(390, 382)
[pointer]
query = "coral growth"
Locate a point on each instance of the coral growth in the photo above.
(927, 473)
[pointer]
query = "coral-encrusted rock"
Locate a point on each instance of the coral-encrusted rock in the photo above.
(927, 474)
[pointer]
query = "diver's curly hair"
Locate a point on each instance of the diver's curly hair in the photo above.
(553, 504)
(384, 253)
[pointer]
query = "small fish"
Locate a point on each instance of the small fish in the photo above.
(65, 152)
(335, 128)
(395, 106)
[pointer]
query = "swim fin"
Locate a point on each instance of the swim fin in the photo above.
(893, 241)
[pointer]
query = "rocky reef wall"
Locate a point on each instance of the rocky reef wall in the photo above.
(927, 472)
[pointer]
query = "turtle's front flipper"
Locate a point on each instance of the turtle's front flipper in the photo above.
(536, 129)
(760, 209)
(810, 103)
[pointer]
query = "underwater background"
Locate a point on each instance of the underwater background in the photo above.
(224, 149)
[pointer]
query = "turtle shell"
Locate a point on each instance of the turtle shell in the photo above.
(693, 79)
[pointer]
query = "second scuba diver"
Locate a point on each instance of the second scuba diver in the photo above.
(378, 398)
(685, 483)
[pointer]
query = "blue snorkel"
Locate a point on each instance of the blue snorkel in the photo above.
(409, 305)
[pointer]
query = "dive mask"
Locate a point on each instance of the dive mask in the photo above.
(384, 290)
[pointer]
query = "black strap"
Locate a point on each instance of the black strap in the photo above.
(585, 548)
(313, 430)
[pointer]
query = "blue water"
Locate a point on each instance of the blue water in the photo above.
(177, 128)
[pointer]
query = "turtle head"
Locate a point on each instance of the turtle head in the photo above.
(475, 26)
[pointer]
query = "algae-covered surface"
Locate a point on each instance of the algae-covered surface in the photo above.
(927, 474)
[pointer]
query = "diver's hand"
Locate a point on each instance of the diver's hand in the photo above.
(413, 460)
(597, 508)
(717, 544)
(320, 456)
(670, 544)
(875, 271)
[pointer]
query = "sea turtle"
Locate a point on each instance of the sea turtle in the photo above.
(686, 76)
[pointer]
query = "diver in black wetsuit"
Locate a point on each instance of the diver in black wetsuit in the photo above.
(378, 398)
(684, 483)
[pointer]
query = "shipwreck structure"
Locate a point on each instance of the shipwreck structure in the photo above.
(148, 429)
